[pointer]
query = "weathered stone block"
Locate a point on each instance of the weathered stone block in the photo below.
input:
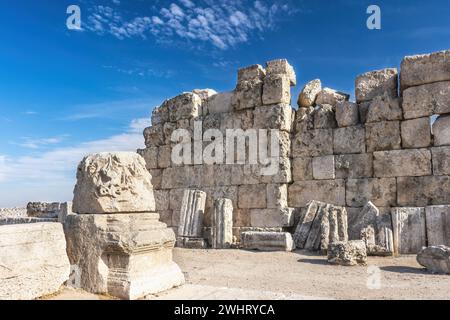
(441, 160)
(44, 209)
(383, 136)
(222, 231)
(313, 143)
(247, 95)
(277, 116)
(219, 103)
(402, 163)
(365, 217)
(252, 72)
(384, 108)
(154, 136)
(330, 96)
(267, 241)
(112, 183)
(302, 169)
(185, 106)
(347, 114)
(304, 119)
(427, 68)
(324, 117)
(381, 192)
(271, 218)
(409, 230)
(436, 259)
(252, 197)
(423, 191)
(349, 140)
(416, 133)
(276, 89)
(350, 253)
(156, 177)
(228, 192)
(192, 214)
(426, 100)
(309, 93)
(281, 67)
(160, 115)
(363, 109)
(354, 166)
(33, 260)
(150, 156)
(182, 177)
(300, 193)
(441, 131)
(164, 156)
(375, 83)
(277, 196)
(438, 225)
(323, 168)
(162, 200)
(308, 214)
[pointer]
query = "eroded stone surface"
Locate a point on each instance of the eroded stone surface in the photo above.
(222, 235)
(409, 230)
(349, 253)
(438, 225)
(435, 258)
(383, 136)
(441, 131)
(402, 163)
(416, 133)
(425, 100)
(347, 114)
(308, 95)
(331, 97)
(267, 241)
(375, 83)
(384, 108)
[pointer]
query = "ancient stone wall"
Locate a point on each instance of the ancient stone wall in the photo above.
(391, 146)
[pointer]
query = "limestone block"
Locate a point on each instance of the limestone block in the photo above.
(305, 223)
(252, 197)
(164, 156)
(228, 192)
(441, 131)
(204, 94)
(185, 106)
(278, 170)
(267, 241)
(182, 177)
(304, 119)
(166, 216)
(350, 253)
(281, 67)
(216, 175)
(384, 237)
(435, 259)
(366, 217)
(33, 260)
(427, 68)
(426, 100)
(168, 129)
(277, 196)
(438, 225)
(162, 200)
(150, 156)
(308, 95)
(241, 217)
(219, 103)
(381, 192)
(402, 163)
(243, 119)
(375, 83)
(330, 96)
(127, 256)
(222, 235)
(441, 160)
(302, 169)
(409, 230)
(276, 89)
(247, 95)
(383, 136)
(191, 243)
(324, 117)
(113, 183)
(277, 116)
(271, 218)
(354, 166)
(252, 72)
(323, 168)
(313, 143)
(363, 109)
(156, 177)
(44, 209)
(384, 108)
(160, 115)
(416, 133)
(423, 191)
(154, 136)
(349, 140)
(192, 213)
(347, 114)
(300, 193)
(245, 174)
(329, 226)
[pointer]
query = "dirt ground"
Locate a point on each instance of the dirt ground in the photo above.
(238, 274)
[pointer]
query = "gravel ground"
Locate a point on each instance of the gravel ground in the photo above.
(13, 212)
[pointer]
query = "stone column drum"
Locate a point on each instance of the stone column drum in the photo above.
(222, 233)
(116, 243)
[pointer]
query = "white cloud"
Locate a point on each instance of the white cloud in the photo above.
(223, 24)
(36, 143)
(51, 175)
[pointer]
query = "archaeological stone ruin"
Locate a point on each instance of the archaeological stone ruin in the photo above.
(247, 170)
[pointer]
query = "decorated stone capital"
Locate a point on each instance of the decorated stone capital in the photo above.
(113, 183)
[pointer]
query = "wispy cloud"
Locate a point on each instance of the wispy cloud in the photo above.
(36, 143)
(51, 175)
(224, 25)
(29, 113)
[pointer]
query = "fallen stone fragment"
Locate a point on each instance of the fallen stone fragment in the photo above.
(304, 226)
(192, 213)
(375, 83)
(349, 253)
(331, 97)
(307, 97)
(267, 241)
(366, 217)
(436, 259)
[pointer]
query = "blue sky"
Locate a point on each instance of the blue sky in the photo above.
(66, 93)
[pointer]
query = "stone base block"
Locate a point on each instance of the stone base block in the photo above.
(267, 241)
(191, 243)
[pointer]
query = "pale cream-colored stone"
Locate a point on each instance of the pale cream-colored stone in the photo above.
(247, 95)
(402, 163)
(277, 196)
(276, 89)
(160, 115)
(324, 117)
(384, 108)
(330, 96)
(438, 225)
(416, 133)
(300, 193)
(271, 218)
(150, 156)
(267, 241)
(349, 140)
(281, 67)
(427, 68)
(354, 166)
(426, 100)
(350, 253)
(192, 214)
(441, 131)
(409, 230)
(435, 258)
(185, 106)
(313, 143)
(222, 235)
(113, 183)
(441, 160)
(323, 168)
(347, 114)
(33, 260)
(252, 197)
(365, 217)
(162, 200)
(252, 72)
(423, 191)
(308, 214)
(278, 116)
(381, 192)
(219, 103)
(383, 136)
(375, 83)
(308, 95)
(302, 169)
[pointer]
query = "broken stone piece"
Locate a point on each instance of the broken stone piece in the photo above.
(222, 233)
(192, 213)
(308, 95)
(375, 83)
(267, 241)
(435, 258)
(350, 253)
(281, 67)
(330, 96)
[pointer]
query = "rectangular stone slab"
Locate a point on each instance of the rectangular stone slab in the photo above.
(409, 230)
(438, 225)
(267, 241)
